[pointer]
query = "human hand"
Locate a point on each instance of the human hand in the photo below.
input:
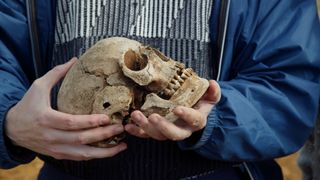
(33, 124)
(190, 119)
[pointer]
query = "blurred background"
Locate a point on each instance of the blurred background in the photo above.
(31, 170)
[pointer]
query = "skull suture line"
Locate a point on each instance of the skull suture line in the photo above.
(117, 76)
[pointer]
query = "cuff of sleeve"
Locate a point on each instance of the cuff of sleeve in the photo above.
(198, 139)
(12, 155)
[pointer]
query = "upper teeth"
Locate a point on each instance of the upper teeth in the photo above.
(177, 82)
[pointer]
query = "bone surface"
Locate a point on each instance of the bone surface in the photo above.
(117, 76)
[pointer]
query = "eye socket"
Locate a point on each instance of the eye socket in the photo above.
(135, 61)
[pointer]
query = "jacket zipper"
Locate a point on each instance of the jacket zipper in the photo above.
(223, 26)
(34, 38)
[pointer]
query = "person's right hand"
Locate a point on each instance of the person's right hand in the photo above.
(33, 124)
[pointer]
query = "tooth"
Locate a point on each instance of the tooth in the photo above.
(186, 72)
(179, 79)
(167, 92)
(183, 76)
(171, 85)
(190, 71)
(176, 82)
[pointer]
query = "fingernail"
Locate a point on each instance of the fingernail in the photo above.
(137, 116)
(178, 110)
(73, 59)
(140, 115)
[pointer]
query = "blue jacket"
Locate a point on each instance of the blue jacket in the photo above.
(270, 75)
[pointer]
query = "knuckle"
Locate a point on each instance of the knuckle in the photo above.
(55, 152)
(93, 122)
(37, 83)
(81, 139)
(48, 138)
(86, 155)
(41, 120)
(141, 133)
(69, 123)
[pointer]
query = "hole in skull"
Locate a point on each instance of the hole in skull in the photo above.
(126, 120)
(135, 61)
(106, 105)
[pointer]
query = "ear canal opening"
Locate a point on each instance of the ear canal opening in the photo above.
(106, 105)
(135, 61)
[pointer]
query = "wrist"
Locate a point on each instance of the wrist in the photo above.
(9, 127)
(10, 151)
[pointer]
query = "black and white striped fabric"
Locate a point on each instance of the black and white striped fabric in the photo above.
(178, 28)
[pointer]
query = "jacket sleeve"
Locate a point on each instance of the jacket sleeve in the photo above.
(269, 82)
(13, 81)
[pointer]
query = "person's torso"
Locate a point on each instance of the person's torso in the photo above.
(177, 28)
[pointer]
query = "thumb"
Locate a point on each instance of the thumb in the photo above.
(213, 93)
(54, 75)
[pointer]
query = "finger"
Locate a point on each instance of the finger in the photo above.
(64, 121)
(85, 136)
(213, 93)
(143, 123)
(194, 118)
(204, 107)
(54, 75)
(135, 131)
(84, 152)
(139, 118)
(168, 129)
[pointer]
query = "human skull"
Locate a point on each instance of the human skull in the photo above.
(118, 75)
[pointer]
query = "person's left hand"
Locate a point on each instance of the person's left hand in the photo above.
(190, 119)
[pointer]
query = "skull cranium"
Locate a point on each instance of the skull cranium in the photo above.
(119, 75)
